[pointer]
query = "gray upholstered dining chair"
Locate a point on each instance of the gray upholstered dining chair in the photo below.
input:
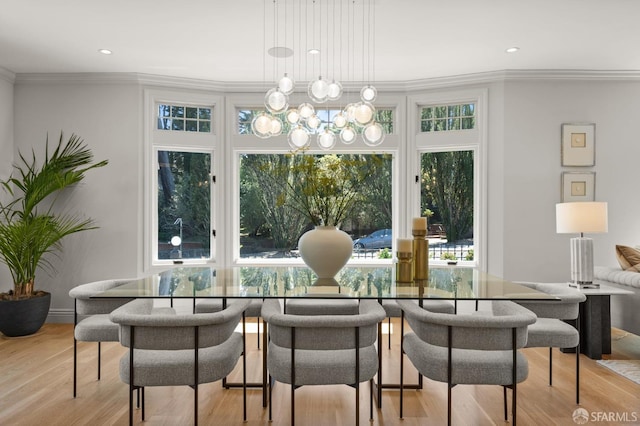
(469, 348)
(91, 318)
(252, 311)
(551, 330)
(169, 349)
(322, 349)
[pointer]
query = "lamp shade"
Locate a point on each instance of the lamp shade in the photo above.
(581, 217)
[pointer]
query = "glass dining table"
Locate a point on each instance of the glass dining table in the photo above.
(455, 283)
(359, 282)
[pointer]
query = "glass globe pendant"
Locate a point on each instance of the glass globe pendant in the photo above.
(373, 134)
(335, 91)
(298, 138)
(326, 139)
(364, 113)
(286, 85)
(293, 116)
(306, 110)
(261, 125)
(318, 90)
(276, 127)
(368, 93)
(339, 120)
(350, 112)
(313, 122)
(276, 101)
(348, 135)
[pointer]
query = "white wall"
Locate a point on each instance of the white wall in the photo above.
(523, 172)
(6, 141)
(533, 114)
(108, 116)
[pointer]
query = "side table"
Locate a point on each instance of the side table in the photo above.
(595, 320)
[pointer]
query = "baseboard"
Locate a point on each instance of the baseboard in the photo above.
(58, 316)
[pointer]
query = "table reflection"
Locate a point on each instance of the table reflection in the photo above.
(378, 282)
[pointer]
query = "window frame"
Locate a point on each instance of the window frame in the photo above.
(183, 141)
(239, 144)
(453, 140)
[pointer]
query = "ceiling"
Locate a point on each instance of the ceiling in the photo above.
(225, 41)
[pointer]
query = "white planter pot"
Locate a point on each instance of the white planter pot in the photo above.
(325, 250)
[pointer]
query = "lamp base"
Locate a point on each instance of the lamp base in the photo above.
(583, 285)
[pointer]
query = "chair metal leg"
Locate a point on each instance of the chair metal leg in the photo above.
(401, 361)
(550, 366)
(514, 374)
(357, 383)
(371, 399)
(293, 375)
(513, 404)
(504, 398)
(244, 369)
(75, 366)
(141, 391)
(130, 404)
(578, 360)
(449, 373)
(578, 374)
(99, 352)
(131, 387)
(196, 375)
(75, 347)
(258, 331)
(265, 343)
(270, 391)
(389, 333)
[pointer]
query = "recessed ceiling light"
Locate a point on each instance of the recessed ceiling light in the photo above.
(512, 49)
(280, 52)
(105, 51)
(313, 51)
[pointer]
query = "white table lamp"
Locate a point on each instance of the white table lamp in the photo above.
(581, 218)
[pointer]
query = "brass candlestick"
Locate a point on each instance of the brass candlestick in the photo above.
(404, 267)
(420, 254)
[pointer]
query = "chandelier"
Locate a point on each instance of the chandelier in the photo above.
(314, 47)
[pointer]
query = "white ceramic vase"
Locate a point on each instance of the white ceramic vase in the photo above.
(325, 250)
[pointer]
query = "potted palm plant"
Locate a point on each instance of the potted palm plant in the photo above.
(31, 228)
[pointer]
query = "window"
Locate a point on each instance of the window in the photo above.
(447, 199)
(447, 117)
(450, 173)
(245, 117)
(276, 199)
(184, 118)
(180, 207)
(184, 205)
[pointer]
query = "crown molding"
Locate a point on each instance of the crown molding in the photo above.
(387, 86)
(7, 75)
(78, 78)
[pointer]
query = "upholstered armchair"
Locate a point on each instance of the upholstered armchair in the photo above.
(468, 349)
(322, 349)
(167, 349)
(91, 318)
(551, 330)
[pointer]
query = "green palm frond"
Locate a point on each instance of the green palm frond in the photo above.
(26, 234)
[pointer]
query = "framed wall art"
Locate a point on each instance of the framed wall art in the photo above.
(578, 145)
(578, 186)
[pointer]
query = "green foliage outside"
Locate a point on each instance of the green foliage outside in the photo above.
(447, 191)
(283, 195)
(447, 255)
(184, 192)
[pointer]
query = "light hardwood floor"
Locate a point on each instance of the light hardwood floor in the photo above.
(36, 389)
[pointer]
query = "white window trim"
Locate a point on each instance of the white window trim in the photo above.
(239, 144)
(155, 140)
(476, 140)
